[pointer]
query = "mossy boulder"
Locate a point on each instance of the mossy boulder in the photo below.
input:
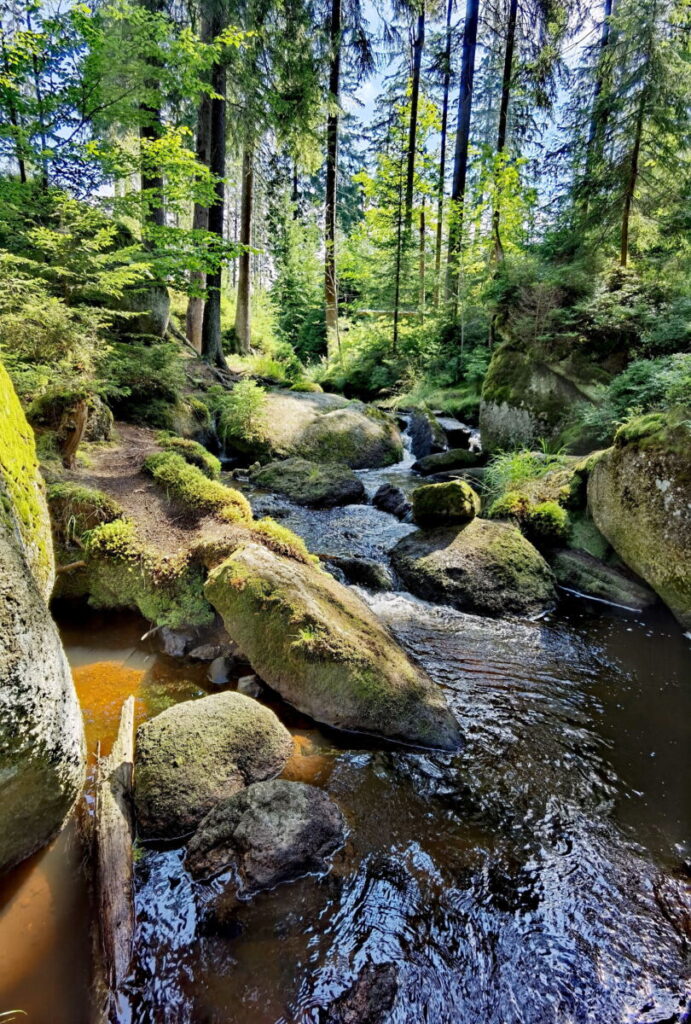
(200, 752)
(444, 504)
(484, 567)
(23, 507)
(316, 485)
(581, 573)
(194, 490)
(270, 833)
(639, 496)
(444, 462)
(327, 428)
(323, 650)
(193, 452)
(545, 523)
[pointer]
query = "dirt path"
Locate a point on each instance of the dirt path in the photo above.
(117, 471)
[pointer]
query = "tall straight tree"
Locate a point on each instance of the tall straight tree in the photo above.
(446, 83)
(418, 47)
(150, 130)
(200, 217)
(242, 307)
(212, 347)
(460, 166)
(506, 81)
(330, 280)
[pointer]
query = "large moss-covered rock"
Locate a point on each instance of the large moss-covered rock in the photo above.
(199, 752)
(581, 573)
(319, 645)
(327, 428)
(445, 504)
(23, 508)
(270, 833)
(443, 462)
(314, 484)
(41, 736)
(484, 567)
(639, 495)
(526, 398)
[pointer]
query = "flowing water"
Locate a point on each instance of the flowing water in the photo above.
(541, 876)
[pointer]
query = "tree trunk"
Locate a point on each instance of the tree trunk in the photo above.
(14, 116)
(399, 252)
(242, 309)
(631, 181)
(504, 119)
(330, 280)
(412, 128)
(442, 156)
(150, 130)
(598, 116)
(200, 217)
(421, 265)
(212, 347)
(460, 163)
(40, 108)
(71, 431)
(114, 835)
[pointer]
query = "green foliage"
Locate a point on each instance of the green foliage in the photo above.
(187, 485)
(76, 509)
(507, 471)
(192, 452)
(241, 414)
(544, 522)
(283, 541)
(143, 381)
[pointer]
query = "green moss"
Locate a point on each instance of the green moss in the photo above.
(188, 485)
(454, 458)
(23, 507)
(512, 505)
(452, 502)
(283, 541)
(669, 430)
(322, 485)
(192, 452)
(548, 522)
(507, 377)
(307, 386)
(201, 412)
(74, 509)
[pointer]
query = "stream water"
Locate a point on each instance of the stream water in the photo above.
(539, 877)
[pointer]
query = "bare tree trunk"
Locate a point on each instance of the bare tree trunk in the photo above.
(631, 181)
(212, 347)
(399, 253)
(200, 217)
(243, 325)
(442, 156)
(71, 431)
(14, 116)
(504, 118)
(460, 164)
(412, 127)
(149, 131)
(330, 280)
(114, 835)
(421, 265)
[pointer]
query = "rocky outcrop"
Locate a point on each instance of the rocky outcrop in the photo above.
(455, 458)
(426, 435)
(484, 567)
(580, 572)
(327, 428)
(199, 752)
(41, 733)
(445, 504)
(270, 833)
(310, 483)
(388, 498)
(639, 495)
(324, 651)
(152, 306)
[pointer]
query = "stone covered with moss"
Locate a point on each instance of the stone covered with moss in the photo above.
(445, 462)
(444, 504)
(580, 572)
(193, 452)
(543, 522)
(316, 485)
(200, 752)
(639, 495)
(484, 567)
(76, 509)
(187, 485)
(23, 508)
(323, 650)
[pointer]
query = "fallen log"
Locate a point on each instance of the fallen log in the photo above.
(114, 837)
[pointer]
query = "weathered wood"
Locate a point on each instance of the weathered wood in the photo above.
(114, 829)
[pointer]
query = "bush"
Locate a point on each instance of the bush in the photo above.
(192, 452)
(241, 414)
(188, 485)
(143, 381)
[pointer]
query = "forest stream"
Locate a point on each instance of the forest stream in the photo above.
(538, 877)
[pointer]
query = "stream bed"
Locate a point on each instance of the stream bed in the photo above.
(541, 876)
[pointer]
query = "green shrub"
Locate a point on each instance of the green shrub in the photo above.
(143, 381)
(188, 485)
(508, 470)
(192, 452)
(241, 414)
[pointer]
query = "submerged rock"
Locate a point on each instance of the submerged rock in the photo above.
(369, 999)
(325, 652)
(639, 495)
(311, 483)
(455, 458)
(363, 572)
(444, 504)
(199, 752)
(391, 499)
(485, 567)
(580, 571)
(41, 732)
(270, 833)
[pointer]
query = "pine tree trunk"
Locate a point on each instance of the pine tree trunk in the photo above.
(212, 347)
(504, 119)
(150, 130)
(330, 280)
(631, 181)
(442, 156)
(200, 216)
(412, 128)
(242, 309)
(422, 264)
(399, 253)
(460, 164)
(14, 116)
(598, 116)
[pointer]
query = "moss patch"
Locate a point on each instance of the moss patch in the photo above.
(189, 486)
(75, 509)
(311, 483)
(193, 452)
(452, 502)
